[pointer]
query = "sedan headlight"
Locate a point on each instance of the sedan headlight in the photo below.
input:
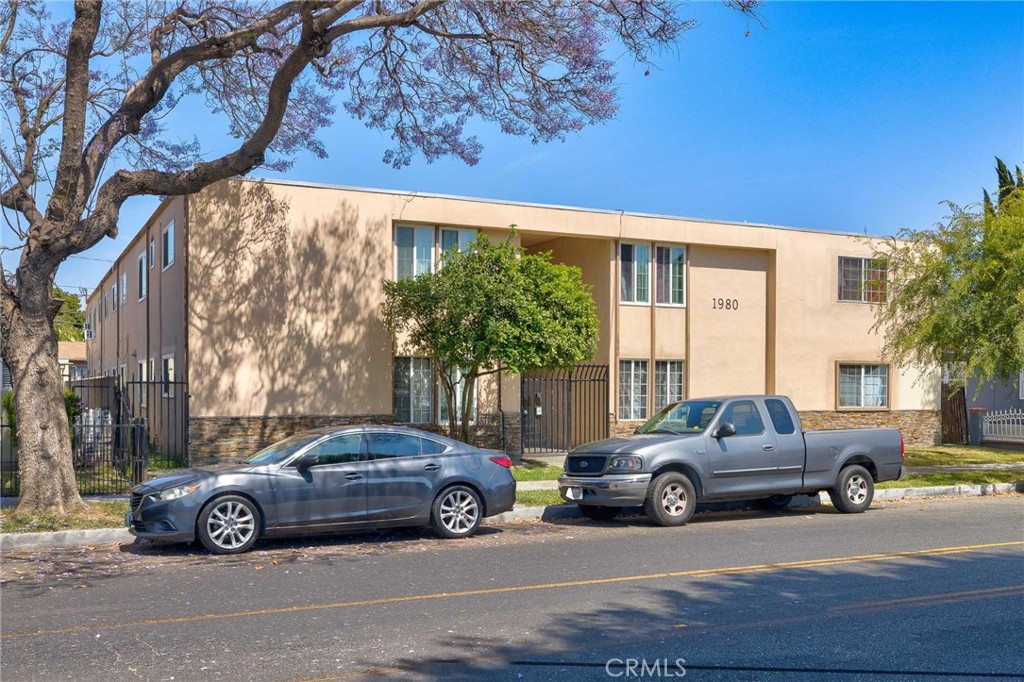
(175, 493)
(629, 463)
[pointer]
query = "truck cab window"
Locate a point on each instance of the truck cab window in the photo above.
(744, 416)
(781, 419)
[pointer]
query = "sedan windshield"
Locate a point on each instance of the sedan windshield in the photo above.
(278, 452)
(689, 416)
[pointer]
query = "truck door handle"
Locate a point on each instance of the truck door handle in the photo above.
(767, 447)
(432, 467)
(353, 477)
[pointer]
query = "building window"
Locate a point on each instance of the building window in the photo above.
(456, 239)
(865, 386)
(168, 380)
(142, 378)
(168, 245)
(414, 254)
(442, 401)
(862, 280)
(634, 273)
(413, 389)
(106, 305)
(1020, 385)
(113, 296)
(668, 382)
(632, 389)
(124, 288)
(671, 275)
(152, 253)
(143, 276)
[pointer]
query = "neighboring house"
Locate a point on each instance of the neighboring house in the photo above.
(996, 396)
(72, 358)
(264, 296)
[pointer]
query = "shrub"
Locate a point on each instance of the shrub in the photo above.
(72, 405)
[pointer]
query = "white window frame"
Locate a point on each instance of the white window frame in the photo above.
(863, 366)
(106, 305)
(667, 367)
(865, 268)
(426, 411)
(463, 237)
(634, 365)
(167, 245)
(113, 296)
(416, 229)
(1020, 385)
(167, 380)
(656, 269)
(143, 277)
(635, 279)
(152, 253)
(124, 288)
(142, 379)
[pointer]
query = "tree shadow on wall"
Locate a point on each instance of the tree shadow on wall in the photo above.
(284, 305)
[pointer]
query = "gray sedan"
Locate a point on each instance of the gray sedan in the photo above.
(328, 480)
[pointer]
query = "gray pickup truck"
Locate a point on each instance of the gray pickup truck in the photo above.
(728, 448)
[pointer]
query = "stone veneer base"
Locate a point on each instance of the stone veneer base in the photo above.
(216, 439)
(919, 427)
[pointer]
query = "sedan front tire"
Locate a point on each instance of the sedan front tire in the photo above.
(228, 524)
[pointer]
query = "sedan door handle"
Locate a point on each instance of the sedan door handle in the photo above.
(432, 467)
(767, 447)
(353, 477)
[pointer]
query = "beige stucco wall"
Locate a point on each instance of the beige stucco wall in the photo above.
(284, 292)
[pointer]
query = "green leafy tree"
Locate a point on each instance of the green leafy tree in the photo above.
(956, 292)
(491, 308)
(70, 320)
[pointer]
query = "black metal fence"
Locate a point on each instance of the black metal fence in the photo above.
(564, 408)
(124, 432)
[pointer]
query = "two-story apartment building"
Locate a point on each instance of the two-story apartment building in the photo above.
(265, 297)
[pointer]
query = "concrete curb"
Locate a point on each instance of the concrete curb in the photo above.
(107, 536)
(65, 538)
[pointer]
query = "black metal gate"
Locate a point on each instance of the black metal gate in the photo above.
(564, 408)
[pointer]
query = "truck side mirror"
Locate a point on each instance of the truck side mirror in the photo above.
(724, 430)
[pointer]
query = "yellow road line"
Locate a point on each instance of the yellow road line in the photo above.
(697, 573)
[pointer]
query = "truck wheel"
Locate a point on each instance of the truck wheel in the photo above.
(599, 513)
(670, 500)
(854, 490)
(775, 502)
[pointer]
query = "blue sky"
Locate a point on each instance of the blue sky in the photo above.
(840, 116)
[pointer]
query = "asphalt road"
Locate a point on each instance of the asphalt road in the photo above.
(925, 590)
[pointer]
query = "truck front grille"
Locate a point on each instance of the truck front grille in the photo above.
(585, 464)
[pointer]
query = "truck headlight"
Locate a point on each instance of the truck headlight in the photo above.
(629, 463)
(175, 493)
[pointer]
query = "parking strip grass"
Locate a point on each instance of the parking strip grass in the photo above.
(96, 514)
(536, 471)
(956, 478)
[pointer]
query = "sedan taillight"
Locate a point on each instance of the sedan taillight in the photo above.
(501, 461)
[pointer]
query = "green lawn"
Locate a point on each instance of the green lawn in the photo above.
(536, 471)
(95, 515)
(538, 498)
(957, 478)
(946, 455)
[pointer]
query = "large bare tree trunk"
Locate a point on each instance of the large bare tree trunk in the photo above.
(45, 466)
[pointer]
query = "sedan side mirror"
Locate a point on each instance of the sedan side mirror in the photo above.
(724, 430)
(305, 461)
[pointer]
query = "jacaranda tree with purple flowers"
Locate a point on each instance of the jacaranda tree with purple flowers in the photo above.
(85, 98)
